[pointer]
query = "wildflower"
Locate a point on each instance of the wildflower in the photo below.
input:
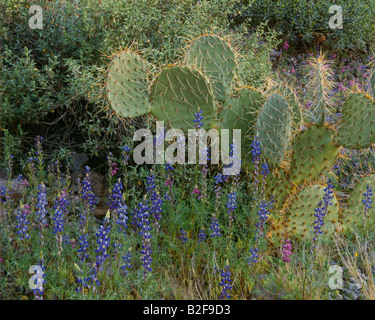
(126, 265)
(264, 213)
(114, 169)
(255, 151)
(23, 223)
(195, 192)
(286, 45)
(225, 283)
(83, 246)
(41, 206)
(4, 194)
(254, 256)
(198, 117)
(103, 241)
(201, 236)
(183, 236)
(122, 216)
(232, 203)
(367, 203)
(287, 251)
(61, 209)
(115, 195)
(215, 227)
(145, 232)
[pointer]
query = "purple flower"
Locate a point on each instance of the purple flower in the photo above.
(225, 283)
(287, 251)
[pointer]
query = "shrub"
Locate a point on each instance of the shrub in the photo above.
(52, 78)
(305, 19)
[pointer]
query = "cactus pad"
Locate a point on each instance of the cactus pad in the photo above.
(216, 59)
(313, 153)
(301, 217)
(177, 93)
(239, 112)
(353, 216)
(273, 128)
(127, 85)
(357, 126)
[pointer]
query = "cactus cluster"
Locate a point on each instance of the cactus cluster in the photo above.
(297, 152)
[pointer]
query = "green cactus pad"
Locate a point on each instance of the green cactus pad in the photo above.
(313, 153)
(373, 84)
(300, 219)
(273, 129)
(353, 217)
(215, 58)
(357, 125)
(177, 93)
(127, 85)
(240, 112)
(291, 98)
(279, 187)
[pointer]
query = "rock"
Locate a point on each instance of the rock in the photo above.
(16, 189)
(98, 181)
(3, 173)
(275, 53)
(76, 167)
(100, 212)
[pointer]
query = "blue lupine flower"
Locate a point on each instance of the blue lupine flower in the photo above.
(232, 202)
(225, 283)
(23, 222)
(122, 216)
(126, 148)
(198, 117)
(115, 195)
(255, 150)
(367, 203)
(215, 227)
(83, 245)
(367, 200)
(126, 265)
(254, 256)
(150, 183)
(41, 206)
(87, 193)
(201, 236)
(183, 236)
(145, 232)
(103, 241)
(264, 213)
(61, 209)
(4, 197)
(265, 169)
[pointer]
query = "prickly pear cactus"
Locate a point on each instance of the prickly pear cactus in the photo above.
(273, 128)
(177, 93)
(127, 85)
(300, 218)
(314, 152)
(240, 112)
(353, 217)
(216, 59)
(357, 126)
(291, 98)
